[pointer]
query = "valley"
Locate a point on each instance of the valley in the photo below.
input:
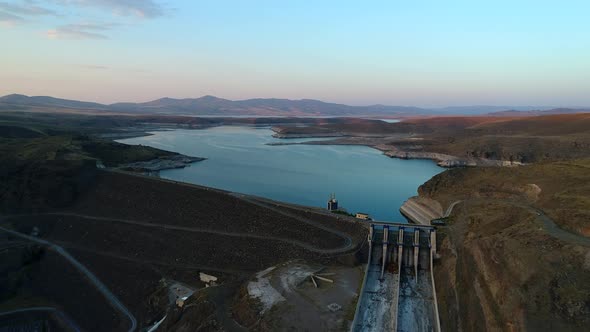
(139, 235)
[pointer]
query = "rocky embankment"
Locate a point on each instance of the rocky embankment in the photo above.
(390, 149)
(304, 132)
(319, 135)
(161, 163)
(444, 160)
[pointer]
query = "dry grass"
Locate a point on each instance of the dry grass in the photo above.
(499, 268)
(564, 189)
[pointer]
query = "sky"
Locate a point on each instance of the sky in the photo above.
(419, 53)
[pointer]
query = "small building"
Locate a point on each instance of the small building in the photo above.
(180, 301)
(208, 279)
(332, 203)
(363, 216)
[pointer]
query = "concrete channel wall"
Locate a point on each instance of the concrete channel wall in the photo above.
(436, 314)
(398, 257)
(374, 309)
(355, 321)
(382, 304)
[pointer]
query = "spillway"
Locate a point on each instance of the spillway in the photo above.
(398, 293)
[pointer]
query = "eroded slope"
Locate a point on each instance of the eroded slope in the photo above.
(514, 256)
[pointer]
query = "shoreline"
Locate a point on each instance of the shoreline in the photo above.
(160, 164)
(412, 209)
(154, 166)
(441, 159)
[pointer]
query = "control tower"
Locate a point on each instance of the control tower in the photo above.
(332, 203)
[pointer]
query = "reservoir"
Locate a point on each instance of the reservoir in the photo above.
(239, 160)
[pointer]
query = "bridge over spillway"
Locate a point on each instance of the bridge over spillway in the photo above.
(398, 292)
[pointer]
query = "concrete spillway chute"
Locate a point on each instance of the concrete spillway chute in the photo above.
(398, 298)
(400, 248)
(433, 241)
(416, 252)
(385, 242)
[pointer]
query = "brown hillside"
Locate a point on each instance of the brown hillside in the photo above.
(564, 124)
(504, 264)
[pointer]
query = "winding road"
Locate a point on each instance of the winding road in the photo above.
(93, 278)
(541, 218)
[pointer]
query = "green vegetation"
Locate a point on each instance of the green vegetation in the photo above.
(113, 153)
(56, 124)
(17, 131)
(440, 221)
(75, 147)
(342, 212)
(45, 160)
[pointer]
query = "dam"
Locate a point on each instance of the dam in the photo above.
(398, 292)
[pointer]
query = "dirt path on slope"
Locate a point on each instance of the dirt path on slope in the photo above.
(548, 224)
(343, 249)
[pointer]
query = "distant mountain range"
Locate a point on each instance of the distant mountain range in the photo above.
(213, 106)
(553, 111)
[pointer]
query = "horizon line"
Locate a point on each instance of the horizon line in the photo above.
(534, 107)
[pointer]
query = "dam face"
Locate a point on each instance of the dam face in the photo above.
(398, 291)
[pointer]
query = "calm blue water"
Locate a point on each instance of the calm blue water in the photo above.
(363, 179)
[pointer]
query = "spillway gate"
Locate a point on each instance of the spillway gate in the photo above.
(398, 292)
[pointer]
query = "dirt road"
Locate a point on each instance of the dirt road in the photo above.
(541, 218)
(93, 278)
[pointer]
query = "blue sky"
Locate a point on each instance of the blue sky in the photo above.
(424, 53)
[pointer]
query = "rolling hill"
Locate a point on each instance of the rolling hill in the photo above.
(46, 101)
(210, 105)
(214, 106)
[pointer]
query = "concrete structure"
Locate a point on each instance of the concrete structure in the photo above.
(363, 216)
(178, 293)
(384, 254)
(398, 290)
(420, 210)
(332, 203)
(208, 279)
(416, 251)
